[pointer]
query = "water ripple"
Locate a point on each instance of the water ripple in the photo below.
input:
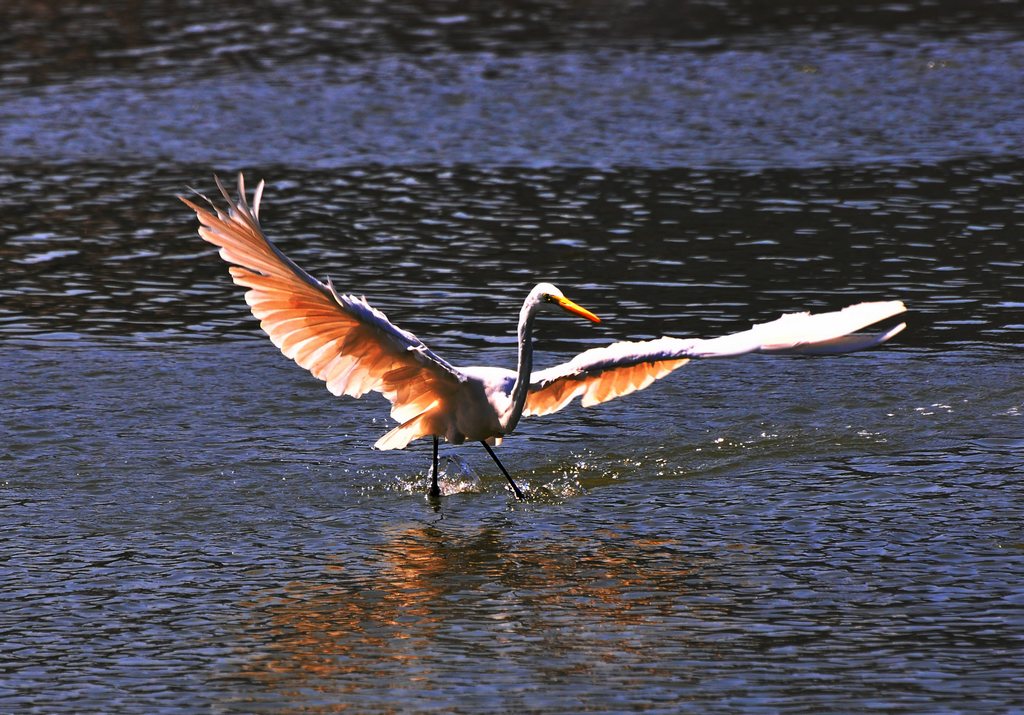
(749, 109)
(126, 261)
(188, 522)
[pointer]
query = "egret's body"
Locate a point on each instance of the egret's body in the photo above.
(355, 349)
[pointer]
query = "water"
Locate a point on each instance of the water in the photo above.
(189, 522)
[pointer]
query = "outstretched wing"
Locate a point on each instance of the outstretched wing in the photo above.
(602, 374)
(341, 339)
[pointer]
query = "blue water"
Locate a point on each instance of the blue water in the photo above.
(190, 523)
(906, 98)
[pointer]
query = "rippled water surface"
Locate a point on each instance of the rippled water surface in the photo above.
(190, 523)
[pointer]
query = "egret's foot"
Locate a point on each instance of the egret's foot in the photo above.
(516, 491)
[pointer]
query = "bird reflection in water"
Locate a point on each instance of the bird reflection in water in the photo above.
(426, 599)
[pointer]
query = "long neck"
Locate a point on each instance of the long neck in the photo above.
(525, 367)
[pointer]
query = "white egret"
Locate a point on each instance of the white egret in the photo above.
(355, 349)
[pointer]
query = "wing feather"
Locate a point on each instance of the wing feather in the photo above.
(340, 339)
(601, 374)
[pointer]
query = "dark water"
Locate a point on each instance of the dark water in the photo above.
(189, 523)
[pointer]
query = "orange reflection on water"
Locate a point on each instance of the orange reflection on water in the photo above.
(425, 599)
(337, 632)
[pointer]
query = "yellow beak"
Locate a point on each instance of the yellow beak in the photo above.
(577, 309)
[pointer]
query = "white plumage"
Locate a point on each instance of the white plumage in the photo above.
(355, 349)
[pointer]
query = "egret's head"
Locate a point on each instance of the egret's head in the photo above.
(547, 293)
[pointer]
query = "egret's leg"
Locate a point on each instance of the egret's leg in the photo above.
(435, 491)
(519, 494)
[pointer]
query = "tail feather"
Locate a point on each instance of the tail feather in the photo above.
(403, 434)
